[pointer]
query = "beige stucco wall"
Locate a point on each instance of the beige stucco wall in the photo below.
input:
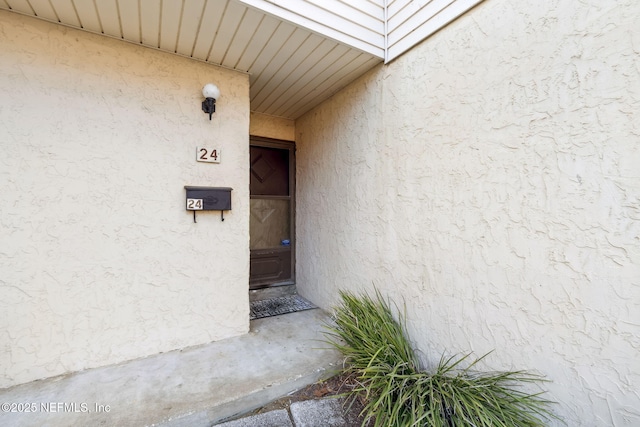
(272, 127)
(490, 180)
(100, 262)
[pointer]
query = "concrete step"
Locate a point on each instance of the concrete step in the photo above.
(195, 387)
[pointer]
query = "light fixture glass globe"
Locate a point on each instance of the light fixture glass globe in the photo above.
(211, 91)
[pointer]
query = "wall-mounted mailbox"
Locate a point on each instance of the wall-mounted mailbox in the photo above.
(208, 199)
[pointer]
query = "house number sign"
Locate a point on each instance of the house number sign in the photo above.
(208, 155)
(194, 204)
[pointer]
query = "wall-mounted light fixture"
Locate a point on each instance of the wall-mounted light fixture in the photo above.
(211, 93)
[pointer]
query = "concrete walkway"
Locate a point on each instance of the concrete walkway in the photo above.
(199, 386)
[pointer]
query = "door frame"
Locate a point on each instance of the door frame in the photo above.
(259, 141)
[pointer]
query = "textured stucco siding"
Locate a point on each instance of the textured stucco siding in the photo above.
(489, 179)
(272, 127)
(99, 260)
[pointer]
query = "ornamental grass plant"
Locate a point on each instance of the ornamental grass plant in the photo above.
(397, 393)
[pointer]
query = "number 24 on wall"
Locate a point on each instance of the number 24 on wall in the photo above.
(209, 155)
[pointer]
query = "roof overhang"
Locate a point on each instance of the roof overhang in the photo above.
(295, 59)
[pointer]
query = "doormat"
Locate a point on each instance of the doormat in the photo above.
(277, 306)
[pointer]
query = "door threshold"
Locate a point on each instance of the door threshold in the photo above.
(274, 291)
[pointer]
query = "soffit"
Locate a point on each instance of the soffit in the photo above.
(292, 69)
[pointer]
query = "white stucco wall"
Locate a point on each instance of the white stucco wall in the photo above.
(490, 179)
(99, 260)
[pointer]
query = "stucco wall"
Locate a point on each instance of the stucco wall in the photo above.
(272, 127)
(490, 179)
(99, 260)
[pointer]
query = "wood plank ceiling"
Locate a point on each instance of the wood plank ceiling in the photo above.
(292, 69)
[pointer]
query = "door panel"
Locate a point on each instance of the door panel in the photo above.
(271, 266)
(269, 171)
(271, 222)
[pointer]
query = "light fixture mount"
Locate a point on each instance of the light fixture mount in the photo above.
(210, 93)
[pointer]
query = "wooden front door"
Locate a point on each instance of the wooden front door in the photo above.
(272, 188)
